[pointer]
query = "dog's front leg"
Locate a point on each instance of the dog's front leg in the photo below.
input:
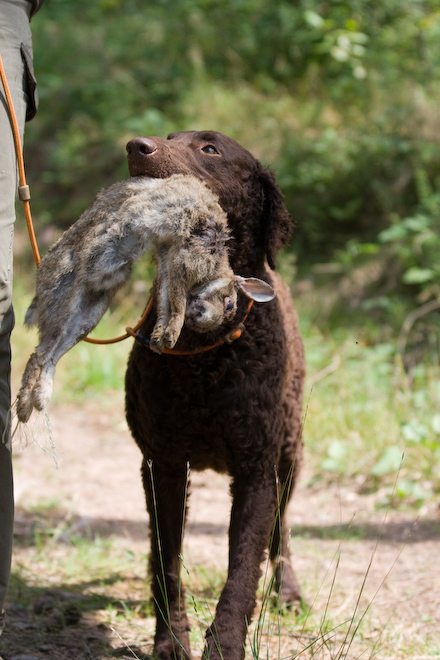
(166, 491)
(252, 519)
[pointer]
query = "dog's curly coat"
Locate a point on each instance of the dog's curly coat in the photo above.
(236, 409)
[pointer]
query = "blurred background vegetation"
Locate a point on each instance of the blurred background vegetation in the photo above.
(341, 98)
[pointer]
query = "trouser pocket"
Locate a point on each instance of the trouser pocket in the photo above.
(29, 83)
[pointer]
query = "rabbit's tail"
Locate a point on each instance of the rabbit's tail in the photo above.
(36, 387)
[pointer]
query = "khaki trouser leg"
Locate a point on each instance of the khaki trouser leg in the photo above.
(14, 31)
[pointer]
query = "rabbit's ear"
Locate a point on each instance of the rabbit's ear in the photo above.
(255, 289)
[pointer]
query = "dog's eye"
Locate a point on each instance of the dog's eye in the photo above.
(210, 149)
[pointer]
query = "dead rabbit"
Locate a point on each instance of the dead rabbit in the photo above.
(180, 220)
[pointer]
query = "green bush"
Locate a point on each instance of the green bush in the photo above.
(340, 99)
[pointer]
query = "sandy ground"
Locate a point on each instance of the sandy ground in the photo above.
(338, 538)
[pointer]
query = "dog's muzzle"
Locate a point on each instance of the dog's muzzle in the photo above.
(138, 151)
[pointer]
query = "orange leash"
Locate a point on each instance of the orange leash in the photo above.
(227, 339)
(23, 191)
(25, 195)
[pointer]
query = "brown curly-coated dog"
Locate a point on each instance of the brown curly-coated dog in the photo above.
(235, 409)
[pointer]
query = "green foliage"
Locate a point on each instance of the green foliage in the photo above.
(414, 241)
(342, 184)
(400, 272)
(338, 97)
(342, 100)
(367, 422)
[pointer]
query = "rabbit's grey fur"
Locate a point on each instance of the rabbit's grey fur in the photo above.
(177, 218)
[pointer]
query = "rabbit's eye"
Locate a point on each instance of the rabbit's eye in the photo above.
(229, 304)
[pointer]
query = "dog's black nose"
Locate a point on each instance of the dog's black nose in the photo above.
(139, 153)
(141, 146)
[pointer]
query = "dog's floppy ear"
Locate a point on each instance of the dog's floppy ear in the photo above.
(278, 223)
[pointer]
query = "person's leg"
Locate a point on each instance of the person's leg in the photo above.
(6, 491)
(14, 31)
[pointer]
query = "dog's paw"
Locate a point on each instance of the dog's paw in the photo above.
(286, 584)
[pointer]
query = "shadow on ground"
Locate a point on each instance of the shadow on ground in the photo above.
(63, 525)
(60, 624)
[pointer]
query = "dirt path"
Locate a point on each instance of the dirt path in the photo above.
(338, 538)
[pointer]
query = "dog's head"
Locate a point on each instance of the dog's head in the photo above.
(246, 190)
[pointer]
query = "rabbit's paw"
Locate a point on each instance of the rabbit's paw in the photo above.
(171, 335)
(31, 375)
(42, 391)
(157, 338)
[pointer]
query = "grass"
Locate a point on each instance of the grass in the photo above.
(365, 419)
(101, 578)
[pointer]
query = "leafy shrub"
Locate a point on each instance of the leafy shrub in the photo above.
(340, 98)
(414, 240)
